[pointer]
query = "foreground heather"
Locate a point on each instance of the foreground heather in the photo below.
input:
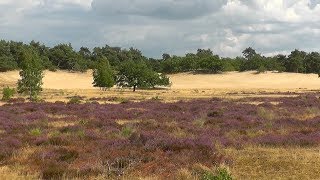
(150, 138)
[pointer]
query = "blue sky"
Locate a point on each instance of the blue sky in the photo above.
(171, 26)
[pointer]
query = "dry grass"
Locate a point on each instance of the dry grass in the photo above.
(125, 122)
(310, 113)
(7, 173)
(60, 124)
(19, 172)
(275, 163)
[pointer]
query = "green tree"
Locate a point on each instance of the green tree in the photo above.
(7, 63)
(312, 62)
(64, 57)
(249, 53)
(137, 74)
(212, 64)
(103, 76)
(295, 61)
(31, 73)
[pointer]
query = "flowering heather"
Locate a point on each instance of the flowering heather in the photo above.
(150, 137)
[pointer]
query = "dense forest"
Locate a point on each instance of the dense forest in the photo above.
(65, 57)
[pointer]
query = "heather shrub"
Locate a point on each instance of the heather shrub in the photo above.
(53, 170)
(67, 155)
(141, 136)
(58, 141)
(215, 114)
(7, 93)
(16, 100)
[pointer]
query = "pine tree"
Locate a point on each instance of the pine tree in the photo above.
(31, 74)
(103, 76)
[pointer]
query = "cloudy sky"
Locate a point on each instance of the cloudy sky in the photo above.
(172, 26)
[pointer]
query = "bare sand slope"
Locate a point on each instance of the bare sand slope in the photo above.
(230, 80)
(246, 80)
(54, 80)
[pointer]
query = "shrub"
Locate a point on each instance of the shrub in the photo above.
(53, 170)
(127, 131)
(8, 93)
(35, 132)
(204, 173)
(261, 69)
(215, 114)
(75, 100)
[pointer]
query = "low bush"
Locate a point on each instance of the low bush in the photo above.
(204, 173)
(35, 132)
(75, 100)
(8, 93)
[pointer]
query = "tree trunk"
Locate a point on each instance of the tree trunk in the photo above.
(134, 88)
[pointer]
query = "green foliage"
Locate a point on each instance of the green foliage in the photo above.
(7, 64)
(249, 53)
(295, 61)
(220, 173)
(64, 57)
(127, 131)
(212, 64)
(103, 75)
(31, 74)
(35, 132)
(8, 93)
(261, 69)
(139, 75)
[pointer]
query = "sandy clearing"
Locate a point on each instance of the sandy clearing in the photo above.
(245, 80)
(230, 80)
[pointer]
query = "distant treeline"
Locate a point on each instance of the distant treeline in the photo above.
(64, 57)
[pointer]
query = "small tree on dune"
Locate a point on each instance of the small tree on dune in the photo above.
(137, 74)
(103, 76)
(31, 74)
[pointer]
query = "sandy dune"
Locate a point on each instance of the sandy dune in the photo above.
(230, 80)
(246, 80)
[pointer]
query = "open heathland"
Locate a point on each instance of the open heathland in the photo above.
(154, 139)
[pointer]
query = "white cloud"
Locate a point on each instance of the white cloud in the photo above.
(165, 9)
(173, 26)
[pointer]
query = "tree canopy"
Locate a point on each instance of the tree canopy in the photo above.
(65, 57)
(103, 75)
(31, 73)
(139, 75)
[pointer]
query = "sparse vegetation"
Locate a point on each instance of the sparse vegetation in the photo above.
(75, 100)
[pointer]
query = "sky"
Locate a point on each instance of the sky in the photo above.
(176, 27)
